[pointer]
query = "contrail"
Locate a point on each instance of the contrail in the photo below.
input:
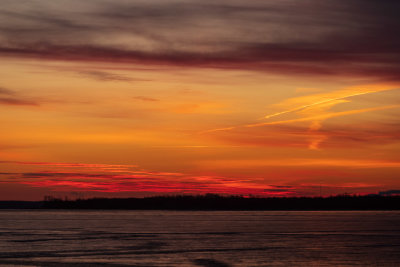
(304, 107)
(318, 117)
(324, 116)
(316, 103)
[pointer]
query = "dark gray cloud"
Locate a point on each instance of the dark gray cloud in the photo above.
(354, 37)
(105, 76)
(11, 98)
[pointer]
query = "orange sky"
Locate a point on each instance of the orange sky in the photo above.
(135, 98)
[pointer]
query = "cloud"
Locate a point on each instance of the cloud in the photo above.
(11, 101)
(5, 91)
(302, 162)
(127, 178)
(105, 76)
(145, 98)
(110, 178)
(140, 182)
(390, 193)
(84, 182)
(89, 166)
(11, 98)
(290, 37)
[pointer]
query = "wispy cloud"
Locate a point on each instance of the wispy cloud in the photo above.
(124, 178)
(111, 178)
(145, 98)
(98, 167)
(11, 98)
(17, 102)
(306, 162)
(105, 76)
(5, 91)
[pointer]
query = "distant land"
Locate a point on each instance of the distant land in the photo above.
(216, 202)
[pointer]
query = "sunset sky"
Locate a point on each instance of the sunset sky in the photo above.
(123, 98)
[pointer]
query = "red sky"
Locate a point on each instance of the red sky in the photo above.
(137, 98)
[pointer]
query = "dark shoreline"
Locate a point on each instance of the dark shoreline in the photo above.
(216, 202)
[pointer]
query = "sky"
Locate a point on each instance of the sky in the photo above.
(118, 98)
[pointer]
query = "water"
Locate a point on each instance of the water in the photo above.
(198, 238)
